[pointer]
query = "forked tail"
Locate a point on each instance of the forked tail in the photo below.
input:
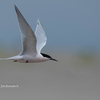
(3, 58)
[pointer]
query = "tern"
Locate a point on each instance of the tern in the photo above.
(32, 43)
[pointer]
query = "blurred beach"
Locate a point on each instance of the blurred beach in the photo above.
(73, 77)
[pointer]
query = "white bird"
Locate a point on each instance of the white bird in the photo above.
(32, 43)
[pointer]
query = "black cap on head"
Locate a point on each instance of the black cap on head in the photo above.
(45, 55)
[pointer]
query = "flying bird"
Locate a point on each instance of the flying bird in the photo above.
(32, 43)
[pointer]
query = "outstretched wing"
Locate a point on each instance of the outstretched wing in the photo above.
(28, 37)
(41, 37)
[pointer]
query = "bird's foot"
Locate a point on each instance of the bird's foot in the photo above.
(15, 60)
(26, 61)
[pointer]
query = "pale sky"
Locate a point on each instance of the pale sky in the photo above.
(69, 24)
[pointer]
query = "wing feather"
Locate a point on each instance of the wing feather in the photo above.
(28, 37)
(41, 37)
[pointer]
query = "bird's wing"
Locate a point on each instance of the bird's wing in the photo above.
(28, 37)
(41, 37)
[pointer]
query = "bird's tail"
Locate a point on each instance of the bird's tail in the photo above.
(3, 58)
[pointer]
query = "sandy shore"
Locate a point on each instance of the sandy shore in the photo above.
(71, 78)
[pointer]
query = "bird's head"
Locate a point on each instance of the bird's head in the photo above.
(47, 56)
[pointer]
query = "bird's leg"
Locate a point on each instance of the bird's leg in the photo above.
(15, 60)
(26, 61)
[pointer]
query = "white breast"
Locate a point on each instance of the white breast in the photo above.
(30, 59)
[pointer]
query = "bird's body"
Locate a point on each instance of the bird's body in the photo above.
(28, 58)
(32, 43)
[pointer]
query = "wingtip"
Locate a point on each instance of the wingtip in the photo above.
(15, 6)
(38, 21)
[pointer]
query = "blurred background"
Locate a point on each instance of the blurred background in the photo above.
(73, 30)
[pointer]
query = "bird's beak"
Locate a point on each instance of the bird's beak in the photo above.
(54, 59)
